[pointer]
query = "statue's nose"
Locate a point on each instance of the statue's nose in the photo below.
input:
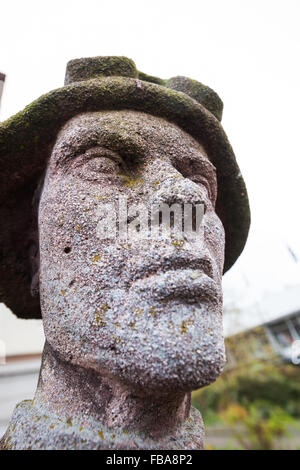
(171, 186)
(184, 203)
(180, 191)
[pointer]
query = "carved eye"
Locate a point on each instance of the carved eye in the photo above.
(200, 172)
(101, 164)
(98, 161)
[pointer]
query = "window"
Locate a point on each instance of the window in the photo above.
(282, 334)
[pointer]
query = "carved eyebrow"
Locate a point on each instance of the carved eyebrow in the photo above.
(75, 144)
(196, 165)
(204, 160)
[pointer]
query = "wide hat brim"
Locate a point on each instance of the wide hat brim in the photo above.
(26, 141)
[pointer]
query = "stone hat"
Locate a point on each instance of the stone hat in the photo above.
(95, 84)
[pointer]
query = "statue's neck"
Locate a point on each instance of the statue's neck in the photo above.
(81, 394)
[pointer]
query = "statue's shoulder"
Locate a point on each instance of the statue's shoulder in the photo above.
(31, 428)
(34, 428)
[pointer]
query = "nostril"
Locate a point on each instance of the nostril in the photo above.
(67, 249)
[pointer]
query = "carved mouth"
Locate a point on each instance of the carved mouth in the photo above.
(175, 263)
(188, 285)
(183, 277)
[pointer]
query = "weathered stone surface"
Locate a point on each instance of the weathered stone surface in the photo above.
(33, 428)
(132, 325)
(87, 68)
(201, 93)
(26, 141)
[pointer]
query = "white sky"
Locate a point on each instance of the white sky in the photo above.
(248, 51)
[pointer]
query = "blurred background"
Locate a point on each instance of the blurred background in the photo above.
(248, 52)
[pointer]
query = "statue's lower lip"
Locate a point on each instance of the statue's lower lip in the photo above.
(189, 284)
(176, 264)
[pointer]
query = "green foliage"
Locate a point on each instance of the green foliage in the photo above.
(277, 385)
(258, 403)
(257, 427)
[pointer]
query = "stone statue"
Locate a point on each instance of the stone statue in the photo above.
(133, 325)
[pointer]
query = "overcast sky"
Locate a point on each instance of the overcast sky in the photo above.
(247, 51)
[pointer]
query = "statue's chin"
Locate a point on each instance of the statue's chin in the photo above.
(174, 363)
(164, 363)
(162, 377)
(170, 385)
(183, 378)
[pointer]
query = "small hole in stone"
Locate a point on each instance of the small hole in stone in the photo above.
(67, 249)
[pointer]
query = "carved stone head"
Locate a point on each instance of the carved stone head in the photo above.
(92, 156)
(145, 310)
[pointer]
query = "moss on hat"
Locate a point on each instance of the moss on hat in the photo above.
(95, 84)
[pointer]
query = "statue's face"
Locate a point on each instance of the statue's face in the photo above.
(146, 311)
